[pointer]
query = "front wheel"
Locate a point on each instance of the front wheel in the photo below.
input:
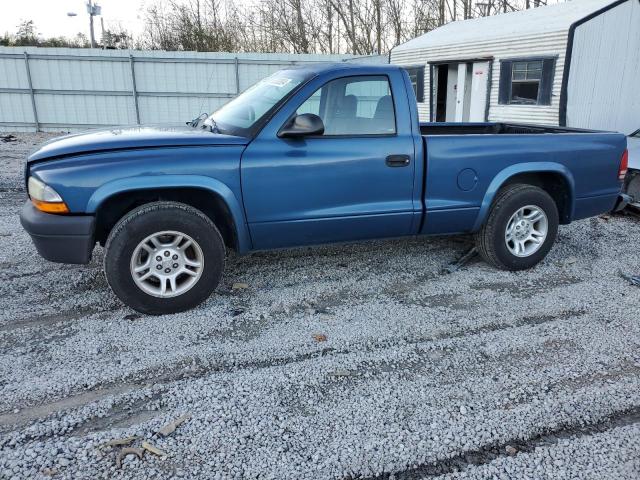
(521, 228)
(164, 257)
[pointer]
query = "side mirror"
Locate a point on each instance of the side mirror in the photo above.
(302, 125)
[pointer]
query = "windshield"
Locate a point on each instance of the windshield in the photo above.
(635, 134)
(241, 114)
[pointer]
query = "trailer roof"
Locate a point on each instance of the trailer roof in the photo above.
(551, 18)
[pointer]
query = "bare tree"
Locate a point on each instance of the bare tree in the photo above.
(360, 27)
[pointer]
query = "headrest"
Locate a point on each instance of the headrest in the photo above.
(384, 107)
(347, 107)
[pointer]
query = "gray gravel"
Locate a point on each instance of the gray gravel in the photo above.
(475, 374)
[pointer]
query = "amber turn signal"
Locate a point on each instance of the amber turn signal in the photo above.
(50, 207)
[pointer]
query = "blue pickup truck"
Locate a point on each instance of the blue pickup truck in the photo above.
(311, 155)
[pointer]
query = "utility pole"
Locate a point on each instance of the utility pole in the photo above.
(92, 10)
(102, 36)
(93, 37)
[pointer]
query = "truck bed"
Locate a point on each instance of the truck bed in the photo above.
(467, 162)
(446, 128)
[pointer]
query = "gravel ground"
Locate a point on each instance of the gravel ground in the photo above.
(356, 361)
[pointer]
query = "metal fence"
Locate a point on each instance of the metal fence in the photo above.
(62, 89)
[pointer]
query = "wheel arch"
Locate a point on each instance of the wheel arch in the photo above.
(554, 178)
(113, 200)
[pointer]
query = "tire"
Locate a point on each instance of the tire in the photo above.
(518, 253)
(131, 245)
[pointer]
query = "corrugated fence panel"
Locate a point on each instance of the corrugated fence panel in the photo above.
(85, 110)
(175, 109)
(13, 73)
(185, 77)
(61, 74)
(74, 89)
(15, 107)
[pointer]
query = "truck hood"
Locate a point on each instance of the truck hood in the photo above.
(134, 137)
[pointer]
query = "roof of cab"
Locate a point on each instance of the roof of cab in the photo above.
(355, 67)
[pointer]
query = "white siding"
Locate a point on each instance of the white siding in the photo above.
(547, 44)
(604, 80)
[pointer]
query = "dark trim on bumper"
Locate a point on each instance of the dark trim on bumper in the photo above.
(59, 238)
(622, 202)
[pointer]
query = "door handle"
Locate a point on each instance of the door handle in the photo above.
(398, 160)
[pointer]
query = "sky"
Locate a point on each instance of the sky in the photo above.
(51, 19)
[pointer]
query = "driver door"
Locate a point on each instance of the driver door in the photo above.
(346, 184)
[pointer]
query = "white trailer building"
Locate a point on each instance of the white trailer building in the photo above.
(570, 64)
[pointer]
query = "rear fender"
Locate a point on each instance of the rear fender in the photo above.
(504, 175)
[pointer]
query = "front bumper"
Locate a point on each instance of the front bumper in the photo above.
(59, 238)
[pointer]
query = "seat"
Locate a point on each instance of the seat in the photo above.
(383, 121)
(348, 107)
(344, 117)
(384, 108)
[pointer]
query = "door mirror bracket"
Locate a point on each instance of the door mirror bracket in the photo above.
(302, 125)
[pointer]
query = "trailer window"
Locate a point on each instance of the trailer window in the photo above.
(416, 75)
(527, 81)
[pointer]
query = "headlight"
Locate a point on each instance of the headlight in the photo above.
(45, 198)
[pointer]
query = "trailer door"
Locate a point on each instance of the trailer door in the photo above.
(479, 83)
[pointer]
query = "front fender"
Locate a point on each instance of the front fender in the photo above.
(504, 175)
(177, 181)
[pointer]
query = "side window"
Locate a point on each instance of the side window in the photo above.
(526, 81)
(311, 105)
(354, 106)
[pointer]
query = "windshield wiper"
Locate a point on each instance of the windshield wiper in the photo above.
(200, 122)
(213, 127)
(196, 121)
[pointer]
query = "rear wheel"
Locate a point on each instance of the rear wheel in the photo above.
(521, 228)
(164, 257)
